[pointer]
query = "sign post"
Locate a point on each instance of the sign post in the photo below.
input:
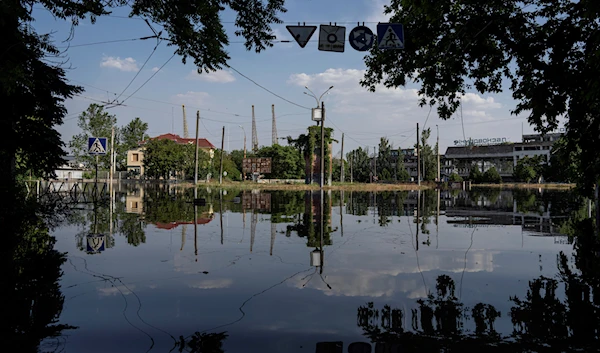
(97, 147)
(256, 166)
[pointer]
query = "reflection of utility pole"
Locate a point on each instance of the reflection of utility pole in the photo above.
(418, 159)
(342, 212)
(418, 217)
(183, 226)
(437, 220)
(273, 234)
(253, 228)
(322, 227)
(221, 207)
(196, 229)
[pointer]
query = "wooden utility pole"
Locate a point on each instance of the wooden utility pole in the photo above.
(437, 150)
(196, 154)
(351, 165)
(322, 181)
(418, 159)
(112, 151)
(222, 153)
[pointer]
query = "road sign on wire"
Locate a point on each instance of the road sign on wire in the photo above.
(390, 36)
(332, 38)
(361, 38)
(301, 34)
(256, 165)
(97, 146)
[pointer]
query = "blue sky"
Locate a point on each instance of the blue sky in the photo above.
(225, 98)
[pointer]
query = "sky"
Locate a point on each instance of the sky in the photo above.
(104, 61)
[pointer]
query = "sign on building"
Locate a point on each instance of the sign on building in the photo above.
(480, 142)
(258, 165)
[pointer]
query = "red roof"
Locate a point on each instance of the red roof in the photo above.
(202, 142)
(173, 225)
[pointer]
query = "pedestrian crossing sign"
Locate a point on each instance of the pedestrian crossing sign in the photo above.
(390, 36)
(97, 146)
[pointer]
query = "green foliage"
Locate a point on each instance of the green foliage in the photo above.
(455, 177)
(563, 164)
(229, 166)
(164, 158)
(401, 172)
(309, 146)
(475, 174)
(533, 48)
(130, 136)
(528, 169)
(384, 160)
(361, 164)
(428, 158)
(94, 122)
(285, 161)
(491, 176)
(33, 83)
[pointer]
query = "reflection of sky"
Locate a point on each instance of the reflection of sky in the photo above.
(181, 292)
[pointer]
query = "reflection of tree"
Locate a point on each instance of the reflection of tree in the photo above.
(202, 343)
(309, 223)
(30, 279)
(358, 204)
(132, 228)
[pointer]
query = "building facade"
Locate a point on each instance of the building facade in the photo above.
(504, 157)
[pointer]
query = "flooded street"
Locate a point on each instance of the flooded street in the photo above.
(287, 271)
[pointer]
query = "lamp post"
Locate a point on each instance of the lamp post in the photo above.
(322, 105)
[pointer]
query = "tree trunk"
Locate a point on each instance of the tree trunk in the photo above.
(596, 194)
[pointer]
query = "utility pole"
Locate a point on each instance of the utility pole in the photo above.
(222, 153)
(273, 127)
(351, 171)
(418, 159)
(112, 152)
(342, 161)
(322, 181)
(438, 153)
(375, 162)
(254, 134)
(196, 154)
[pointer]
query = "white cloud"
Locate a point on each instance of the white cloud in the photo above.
(377, 13)
(219, 76)
(281, 34)
(212, 283)
(191, 98)
(110, 291)
(394, 112)
(154, 69)
(127, 64)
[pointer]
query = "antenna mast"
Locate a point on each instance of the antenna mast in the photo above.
(185, 127)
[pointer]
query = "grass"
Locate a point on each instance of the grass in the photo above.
(335, 186)
(525, 186)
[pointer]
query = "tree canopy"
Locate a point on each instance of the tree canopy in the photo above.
(546, 53)
(34, 86)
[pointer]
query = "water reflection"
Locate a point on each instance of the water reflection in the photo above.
(287, 270)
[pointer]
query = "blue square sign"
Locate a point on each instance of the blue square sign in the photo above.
(97, 146)
(390, 36)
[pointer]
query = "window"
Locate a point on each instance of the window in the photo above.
(135, 157)
(518, 148)
(134, 204)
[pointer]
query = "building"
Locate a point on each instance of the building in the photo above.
(504, 157)
(135, 157)
(70, 169)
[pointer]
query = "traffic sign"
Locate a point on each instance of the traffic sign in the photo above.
(390, 36)
(332, 38)
(361, 38)
(95, 243)
(97, 146)
(301, 33)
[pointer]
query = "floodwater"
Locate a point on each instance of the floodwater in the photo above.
(302, 271)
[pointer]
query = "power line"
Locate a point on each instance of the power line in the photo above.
(102, 42)
(145, 82)
(266, 89)
(138, 72)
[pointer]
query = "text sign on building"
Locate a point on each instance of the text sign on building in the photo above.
(256, 165)
(479, 142)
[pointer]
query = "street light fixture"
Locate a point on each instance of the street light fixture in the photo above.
(317, 113)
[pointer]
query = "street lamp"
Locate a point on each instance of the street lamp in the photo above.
(244, 130)
(317, 110)
(320, 109)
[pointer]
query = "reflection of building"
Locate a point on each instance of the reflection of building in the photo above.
(135, 157)
(503, 157)
(134, 201)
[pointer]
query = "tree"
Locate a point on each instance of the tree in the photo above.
(360, 164)
(475, 174)
(233, 173)
(130, 137)
(34, 87)
(401, 172)
(525, 170)
(284, 161)
(163, 158)
(427, 157)
(492, 176)
(563, 164)
(547, 52)
(384, 160)
(94, 122)
(455, 178)
(309, 146)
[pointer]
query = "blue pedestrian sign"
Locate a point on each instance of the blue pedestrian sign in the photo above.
(97, 146)
(361, 38)
(96, 243)
(390, 36)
